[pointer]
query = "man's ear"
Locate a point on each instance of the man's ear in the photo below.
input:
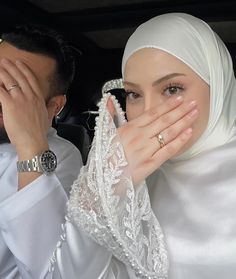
(55, 105)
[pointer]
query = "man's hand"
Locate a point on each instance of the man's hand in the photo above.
(25, 115)
(139, 137)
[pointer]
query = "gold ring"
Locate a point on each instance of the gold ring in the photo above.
(12, 87)
(161, 140)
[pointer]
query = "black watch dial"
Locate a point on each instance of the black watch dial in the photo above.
(48, 161)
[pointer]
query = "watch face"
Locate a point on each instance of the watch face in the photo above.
(48, 161)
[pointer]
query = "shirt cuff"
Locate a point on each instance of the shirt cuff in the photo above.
(26, 198)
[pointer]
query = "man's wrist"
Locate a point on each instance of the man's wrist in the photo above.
(27, 152)
(45, 162)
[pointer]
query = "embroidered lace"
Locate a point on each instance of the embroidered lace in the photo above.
(105, 204)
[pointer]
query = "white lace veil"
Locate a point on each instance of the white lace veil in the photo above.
(205, 53)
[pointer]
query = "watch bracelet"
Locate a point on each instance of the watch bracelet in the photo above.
(31, 165)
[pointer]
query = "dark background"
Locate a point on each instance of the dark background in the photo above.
(98, 30)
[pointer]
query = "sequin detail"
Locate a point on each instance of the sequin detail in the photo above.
(105, 204)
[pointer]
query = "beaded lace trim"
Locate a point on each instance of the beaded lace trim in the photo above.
(112, 84)
(105, 204)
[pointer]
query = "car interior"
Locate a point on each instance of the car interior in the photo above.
(97, 32)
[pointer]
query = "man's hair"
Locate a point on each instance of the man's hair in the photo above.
(43, 40)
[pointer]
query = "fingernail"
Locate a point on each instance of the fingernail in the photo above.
(178, 99)
(192, 104)
(188, 131)
(193, 113)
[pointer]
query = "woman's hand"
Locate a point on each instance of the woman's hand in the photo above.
(139, 137)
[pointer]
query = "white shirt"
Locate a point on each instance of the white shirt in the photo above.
(30, 219)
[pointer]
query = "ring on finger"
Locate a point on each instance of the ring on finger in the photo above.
(160, 139)
(13, 86)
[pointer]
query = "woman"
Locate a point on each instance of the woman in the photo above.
(181, 225)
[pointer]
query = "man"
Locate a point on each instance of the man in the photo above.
(36, 69)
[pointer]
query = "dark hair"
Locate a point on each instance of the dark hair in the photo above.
(43, 40)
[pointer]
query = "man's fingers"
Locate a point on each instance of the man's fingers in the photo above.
(12, 76)
(9, 83)
(20, 74)
(29, 76)
(4, 96)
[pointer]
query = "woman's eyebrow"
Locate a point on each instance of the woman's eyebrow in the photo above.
(130, 83)
(160, 80)
(156, 82)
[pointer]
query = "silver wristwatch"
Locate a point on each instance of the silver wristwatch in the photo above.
(45, 163)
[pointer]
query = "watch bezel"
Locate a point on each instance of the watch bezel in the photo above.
(45, 169)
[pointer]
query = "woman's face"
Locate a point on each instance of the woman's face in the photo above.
(153, 76)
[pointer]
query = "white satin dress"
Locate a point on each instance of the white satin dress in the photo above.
(188, 231)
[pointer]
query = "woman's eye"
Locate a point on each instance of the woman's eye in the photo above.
(131, 95)
(172, 90)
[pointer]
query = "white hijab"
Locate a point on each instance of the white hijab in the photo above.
(193, 42)
(194, 197)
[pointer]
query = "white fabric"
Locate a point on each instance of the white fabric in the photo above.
(193, 199)
(195, 203)
(194, 195)
(105, 205)
(193, 42)
(196, 215)
(30, 219)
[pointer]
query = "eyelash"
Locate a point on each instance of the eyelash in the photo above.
(177, 86)
(127, 94)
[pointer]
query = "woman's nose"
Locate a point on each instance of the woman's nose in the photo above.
(152, 100)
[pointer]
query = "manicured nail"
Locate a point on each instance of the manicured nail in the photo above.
(178, 99)
(188, 131)
(193, 113)
(192, 104)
